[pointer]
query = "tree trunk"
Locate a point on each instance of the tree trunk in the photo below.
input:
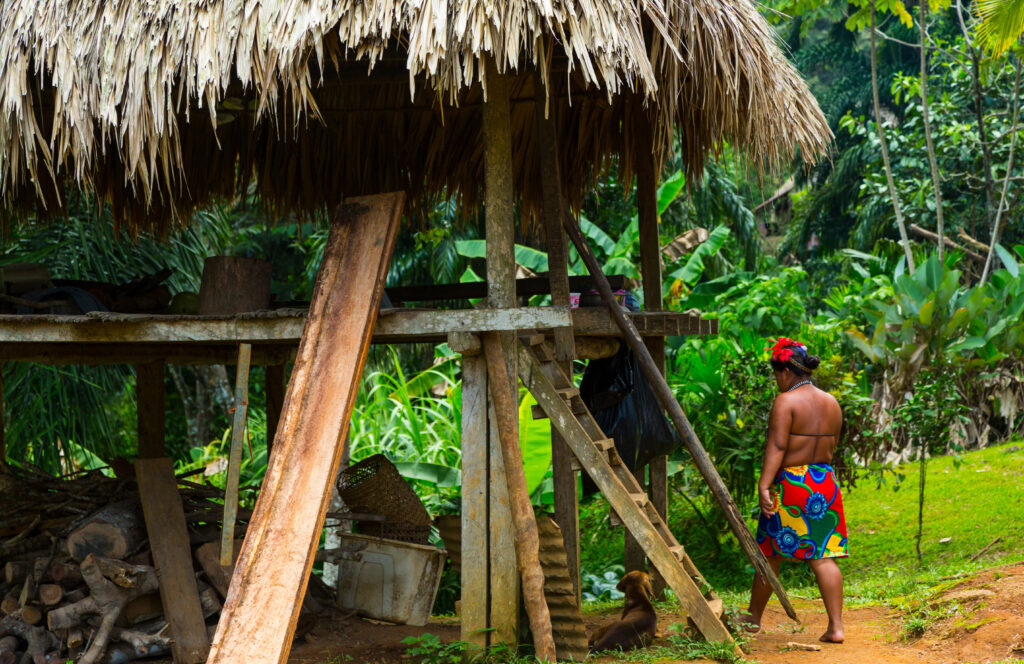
(885, 149)
(994, 240)
(939, 229)
(979, 112)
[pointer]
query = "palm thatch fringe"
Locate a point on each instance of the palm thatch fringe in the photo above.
(159, 106)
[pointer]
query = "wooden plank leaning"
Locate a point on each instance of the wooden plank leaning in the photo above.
(266, 592)
(527, 540)
(235, 454)
(675, 413)
(172, 557)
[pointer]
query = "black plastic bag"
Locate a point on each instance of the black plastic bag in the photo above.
(624, 406)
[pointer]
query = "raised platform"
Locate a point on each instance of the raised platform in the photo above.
(111, 338)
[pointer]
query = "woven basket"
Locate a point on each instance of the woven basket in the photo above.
(375, 486)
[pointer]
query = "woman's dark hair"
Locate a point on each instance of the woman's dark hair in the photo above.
(800, 363)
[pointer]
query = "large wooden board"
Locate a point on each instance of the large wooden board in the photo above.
(172, 556)
(263, 602)
(474, 501)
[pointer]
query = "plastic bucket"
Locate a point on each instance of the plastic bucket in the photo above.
(390, 580)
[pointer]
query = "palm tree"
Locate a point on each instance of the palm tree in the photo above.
(1001, 23)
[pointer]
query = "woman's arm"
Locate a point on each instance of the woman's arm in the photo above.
(779, 424)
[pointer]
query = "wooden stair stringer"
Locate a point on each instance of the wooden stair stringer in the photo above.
(535, 378)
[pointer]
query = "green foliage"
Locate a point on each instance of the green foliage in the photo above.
(429, 649)
(603, 588)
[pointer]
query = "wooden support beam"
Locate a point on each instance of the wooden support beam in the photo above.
(277, 383)
(563, 475)
(501, 294)
(267, 589)
(472, 290)
(475, 598)
(172, 557)
(149, 397)
(527, 540)
(650, 270)
(675, 412)
(238, 427)
(3, 421)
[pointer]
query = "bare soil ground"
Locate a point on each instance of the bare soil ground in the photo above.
(979, 620)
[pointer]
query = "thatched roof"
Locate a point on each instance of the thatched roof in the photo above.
(161, 105)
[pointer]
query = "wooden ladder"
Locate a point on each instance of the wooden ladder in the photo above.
(596, 453)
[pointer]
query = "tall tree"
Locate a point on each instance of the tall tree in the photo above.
(922, 20)
(885, 148)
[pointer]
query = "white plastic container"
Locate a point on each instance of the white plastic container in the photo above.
(390, 580)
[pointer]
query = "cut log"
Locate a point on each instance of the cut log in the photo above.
(112, 532)
(66, 574)
(262, 607)
(30, 615)
(50, 594)
(9, 605)
(141, 609)
(234, 284)
(107, 600)
(208, 556)
(8, 648)
(39, 640)
(15, 571)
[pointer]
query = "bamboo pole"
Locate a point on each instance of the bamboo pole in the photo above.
(227, 540)
(675, 413)
(527, 541)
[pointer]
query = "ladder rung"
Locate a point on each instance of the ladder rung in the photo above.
(678, 551)
(605, 444)
(717, 607)
(568, 392)
(641, 499)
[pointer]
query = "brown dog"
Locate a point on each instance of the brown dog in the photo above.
(639, 622)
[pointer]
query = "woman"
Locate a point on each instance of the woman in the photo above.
(801, 506)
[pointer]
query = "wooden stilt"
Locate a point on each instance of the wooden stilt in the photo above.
(650, 269)
(501, 293)
(675, 413)
(235, 454)
(474, 501)
(3, 421)
(272, 572)
(563, 475)
(527, 541)
(149, 397)
(277, 382)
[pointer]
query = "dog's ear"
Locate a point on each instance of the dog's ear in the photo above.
(621, 587)
(648, 587)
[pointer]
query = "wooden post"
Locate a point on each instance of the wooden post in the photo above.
(567, 514)
(172, 557)
(149, 397)
(262, 607)
(474, 500)
(501, 294)
(238, 427)
(3, 421)
(527, 540)
(650, 268)
(277, 382)
(675, 413)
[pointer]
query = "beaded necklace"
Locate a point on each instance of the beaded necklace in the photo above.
(803, 382)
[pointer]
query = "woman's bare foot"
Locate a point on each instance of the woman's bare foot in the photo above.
(832, 635)
(748, 623)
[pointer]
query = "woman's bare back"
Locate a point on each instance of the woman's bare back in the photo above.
(815, 422)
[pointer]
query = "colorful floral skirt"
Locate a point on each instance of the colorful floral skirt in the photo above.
(808, 522)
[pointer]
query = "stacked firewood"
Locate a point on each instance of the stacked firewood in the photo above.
(76, 575)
